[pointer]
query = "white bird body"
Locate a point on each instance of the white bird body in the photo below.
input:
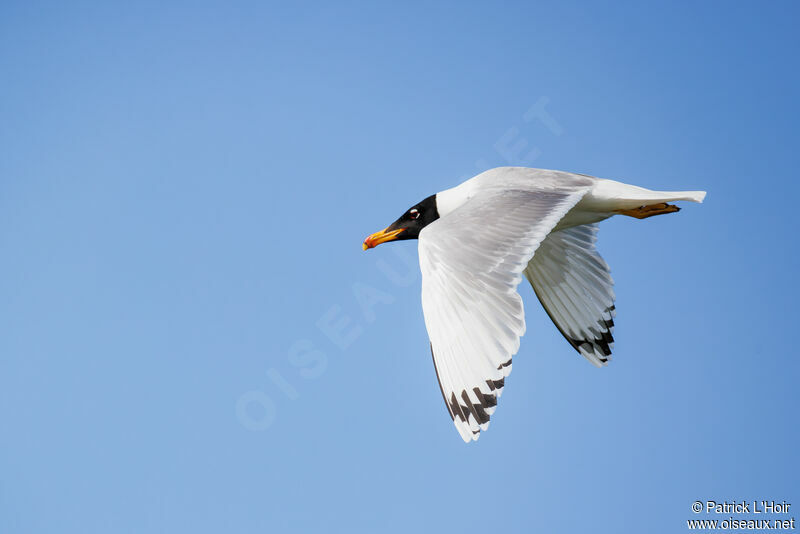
(478, 239)
(600, 202)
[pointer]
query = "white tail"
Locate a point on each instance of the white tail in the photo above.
(608, 196)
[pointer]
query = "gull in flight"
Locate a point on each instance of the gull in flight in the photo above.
(478, 239)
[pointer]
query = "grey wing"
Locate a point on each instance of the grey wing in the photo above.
(574, 285)
(472, 262)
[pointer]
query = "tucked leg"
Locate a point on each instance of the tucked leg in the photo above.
(644, 212)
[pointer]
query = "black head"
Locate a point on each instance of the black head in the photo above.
(408, 226)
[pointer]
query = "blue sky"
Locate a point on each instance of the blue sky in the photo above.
(184, 190)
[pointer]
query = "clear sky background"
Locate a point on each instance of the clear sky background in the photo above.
(184, 344)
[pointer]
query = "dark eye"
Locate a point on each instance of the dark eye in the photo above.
(413, 213)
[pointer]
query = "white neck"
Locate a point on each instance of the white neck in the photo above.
(450, 199)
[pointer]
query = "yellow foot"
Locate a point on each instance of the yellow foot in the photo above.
(644, 212)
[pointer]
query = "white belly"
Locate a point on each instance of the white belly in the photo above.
(609, 196)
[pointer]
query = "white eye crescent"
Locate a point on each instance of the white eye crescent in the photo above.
(413, 213)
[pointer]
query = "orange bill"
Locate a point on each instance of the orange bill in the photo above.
(381, 237)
